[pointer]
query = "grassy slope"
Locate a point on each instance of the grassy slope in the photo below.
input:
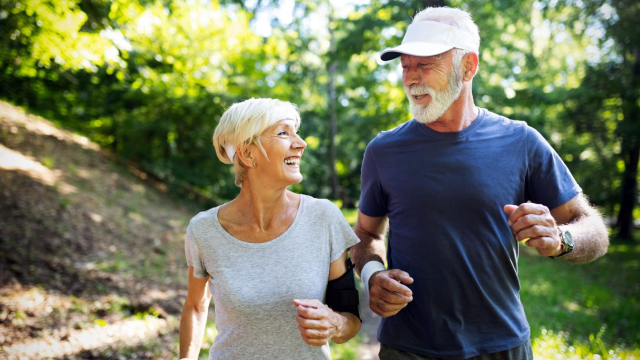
(589, 311)
(86, 248)
(91, 255)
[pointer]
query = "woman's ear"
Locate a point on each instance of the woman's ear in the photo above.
(247, 155)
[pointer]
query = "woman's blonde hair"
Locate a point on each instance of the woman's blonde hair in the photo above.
(243, 123)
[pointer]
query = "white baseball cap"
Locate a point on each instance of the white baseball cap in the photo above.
(428, 38)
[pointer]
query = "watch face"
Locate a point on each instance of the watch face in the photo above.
(568, 238)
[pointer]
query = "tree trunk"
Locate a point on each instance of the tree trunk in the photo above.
(332, 114)
(629, 194)
(630, 152)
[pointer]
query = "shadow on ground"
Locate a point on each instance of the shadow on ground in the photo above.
(91, 257)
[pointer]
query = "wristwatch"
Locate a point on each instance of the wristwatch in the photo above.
(567, 242)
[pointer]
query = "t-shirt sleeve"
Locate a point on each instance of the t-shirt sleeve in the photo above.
(549, 181)
(341, 235)
(192, 253)
(373, 199)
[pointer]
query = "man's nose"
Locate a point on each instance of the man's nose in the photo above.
(410, 76)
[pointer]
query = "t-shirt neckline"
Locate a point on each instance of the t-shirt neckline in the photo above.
(456, 134)
(271, 242)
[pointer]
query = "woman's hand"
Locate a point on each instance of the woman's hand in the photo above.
(317, 322)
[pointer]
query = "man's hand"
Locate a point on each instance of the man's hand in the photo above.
(534, 225)
(387, 295)
(317, 322)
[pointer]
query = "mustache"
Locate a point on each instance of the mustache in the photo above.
(417, 89)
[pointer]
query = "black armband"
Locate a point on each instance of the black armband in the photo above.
(342, 294)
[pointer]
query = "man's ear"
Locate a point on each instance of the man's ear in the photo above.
(247, 155)
(470, 66)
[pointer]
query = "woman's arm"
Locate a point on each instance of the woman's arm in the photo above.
(318, 323)
(194, 316)
(352, 323)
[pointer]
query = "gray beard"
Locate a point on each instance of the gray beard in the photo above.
(440, 100)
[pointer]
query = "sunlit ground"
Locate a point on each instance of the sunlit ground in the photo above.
(91, 262)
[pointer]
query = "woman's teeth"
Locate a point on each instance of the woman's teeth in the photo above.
(292, 161)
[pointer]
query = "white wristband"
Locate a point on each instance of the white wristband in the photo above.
(368, 270)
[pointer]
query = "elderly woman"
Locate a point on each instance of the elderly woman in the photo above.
(269, 256)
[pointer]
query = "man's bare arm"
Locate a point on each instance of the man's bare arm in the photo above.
(587, 227)
(371, 231)
(537, 223)
(387, 292)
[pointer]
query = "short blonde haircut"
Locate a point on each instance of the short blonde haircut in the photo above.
(243, 123)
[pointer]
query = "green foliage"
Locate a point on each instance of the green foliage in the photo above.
(210, 333)
(41, 35)
(346, 351)
(48, 162)
(148, 80)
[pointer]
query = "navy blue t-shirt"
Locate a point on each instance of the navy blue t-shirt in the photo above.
(444, 194)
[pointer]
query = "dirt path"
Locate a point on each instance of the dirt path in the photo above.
(112, 261)
(370, 321)
(86, 248)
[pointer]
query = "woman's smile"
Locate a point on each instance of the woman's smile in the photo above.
(293, 161)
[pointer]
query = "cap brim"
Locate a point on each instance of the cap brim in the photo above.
(415, 49)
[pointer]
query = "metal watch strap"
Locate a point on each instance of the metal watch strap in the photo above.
(563, 244)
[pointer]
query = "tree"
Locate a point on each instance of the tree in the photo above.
(607, 102)
(149, 80)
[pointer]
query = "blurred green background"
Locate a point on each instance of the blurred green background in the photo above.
(92, 241)
(148, 80)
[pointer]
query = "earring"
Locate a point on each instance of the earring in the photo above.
(254, 164)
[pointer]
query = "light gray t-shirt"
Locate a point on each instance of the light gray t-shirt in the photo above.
(253, 285)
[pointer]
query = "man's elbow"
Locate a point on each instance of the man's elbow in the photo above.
(361, 233)
(596, 241)
(601, 234)
(366, 236)
(602, 239)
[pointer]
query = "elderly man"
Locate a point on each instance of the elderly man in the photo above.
(461, 188)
